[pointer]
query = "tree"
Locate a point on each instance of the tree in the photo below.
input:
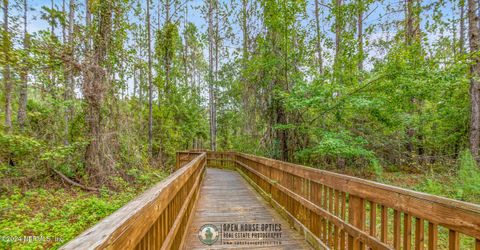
(318, 38)
(94, 88)
(474, 40)
(211, 88)
(361, 7)
(7, 57)
(22, 101)
(150, 84)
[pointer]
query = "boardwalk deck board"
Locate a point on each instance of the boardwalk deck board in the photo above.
(227, 198)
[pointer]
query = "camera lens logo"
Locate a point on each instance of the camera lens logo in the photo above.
(208, 234)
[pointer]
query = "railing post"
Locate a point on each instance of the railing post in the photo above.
(356, 214)
(177, 160)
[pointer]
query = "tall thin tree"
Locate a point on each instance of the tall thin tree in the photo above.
(318, 37)
(22, 101)
(150, 84)
(474, 39)
(211, 93)
(6, 69)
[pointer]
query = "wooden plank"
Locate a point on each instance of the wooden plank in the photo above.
(419, 234)
(336, 232)
(407, 232)
(330, 209)
(384, 224)
(356, 212)
(373, 219)
(453, 240)
(396, 229)
(432, 236)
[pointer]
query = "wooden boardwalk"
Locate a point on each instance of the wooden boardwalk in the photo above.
(333, 211)
(226, 198)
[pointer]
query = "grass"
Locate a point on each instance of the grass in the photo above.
(59, 213)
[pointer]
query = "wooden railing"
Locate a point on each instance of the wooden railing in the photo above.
(333, 211)
(336, 211)
(156, 220)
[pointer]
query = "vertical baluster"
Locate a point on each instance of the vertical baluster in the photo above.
(356, 214)
(324, 221)
(453, 240)
(396, 229)
(336, 211)
(342, 215)
(432, 236)
(477, 244)
(407, 231)
(373, 219)
(330, 209)
(419, 234)
(384, 224)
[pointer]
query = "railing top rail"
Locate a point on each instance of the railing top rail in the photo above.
(114, 226)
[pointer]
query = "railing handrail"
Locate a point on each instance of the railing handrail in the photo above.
(138, 215)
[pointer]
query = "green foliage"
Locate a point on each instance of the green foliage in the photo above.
(63, 214)
(468, 184)
(432, 186)
(18, 146)
(340, 144)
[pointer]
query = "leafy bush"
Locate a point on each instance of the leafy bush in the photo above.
(17, 146)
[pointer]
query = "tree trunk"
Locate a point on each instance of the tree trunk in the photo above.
(69, 84)
(150, 87)
(474, 39)
(185, 49)
(360, 34)
(462, 28)
(94, 88)
(318, 38)
(211, 93)
(338, 31)
(247, 90)
(6, 69)
(167, 55)
(88, 22)
(22, 102)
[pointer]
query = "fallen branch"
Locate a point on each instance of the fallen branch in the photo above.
(65, 178)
